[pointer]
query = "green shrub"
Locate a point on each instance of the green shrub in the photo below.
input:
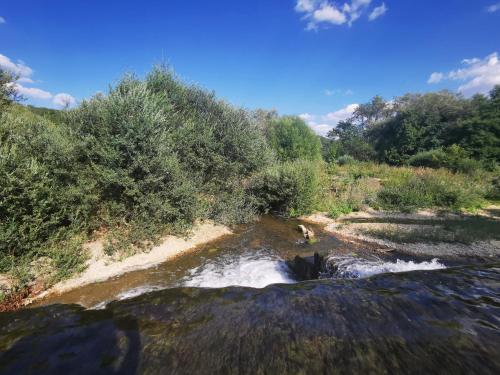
(44, 195)
(431, 188)
(292, 139)
(454, 158)
(339, 208)
(346, 159)
(149, 158)
(290, 188)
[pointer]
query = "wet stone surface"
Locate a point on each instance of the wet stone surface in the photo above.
(444, 321)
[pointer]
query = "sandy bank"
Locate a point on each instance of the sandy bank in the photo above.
(101, 267)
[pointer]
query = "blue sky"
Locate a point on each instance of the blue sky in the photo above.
(314, 58)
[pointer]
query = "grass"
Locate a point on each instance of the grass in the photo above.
(356, 185)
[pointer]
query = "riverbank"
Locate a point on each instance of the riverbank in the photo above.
(101, 267)
(423, 233)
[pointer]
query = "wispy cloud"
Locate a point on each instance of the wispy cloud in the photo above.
(2, 20)
(493, 8)
(324, 12)
(329, 92)
(435, 77)
(377, 12)
(24, 74)
(477, 75)
(33, 92)
(322, 124)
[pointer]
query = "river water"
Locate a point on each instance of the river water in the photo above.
(253, 257)
(234, 307)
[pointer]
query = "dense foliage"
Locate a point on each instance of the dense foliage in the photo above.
(293, 139)
(152, 156)
(419, 128)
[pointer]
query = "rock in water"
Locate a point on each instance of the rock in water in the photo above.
(307, 268)
(307, 233)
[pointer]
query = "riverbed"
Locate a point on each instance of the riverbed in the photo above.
(234, 306)
(254, 255)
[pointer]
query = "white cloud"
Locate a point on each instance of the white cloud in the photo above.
(64, 100)
(377, 12)
(493, 8)
(306, 117)
(2, 20)
(435, 77)
(24, 74)
(33, 92)
(478, 75)
(326, 12)
(305, 5)
(20, 69)
(341, 114)
(322, 124)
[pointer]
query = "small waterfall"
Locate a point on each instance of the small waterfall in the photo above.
(357, 267)
(256, 270)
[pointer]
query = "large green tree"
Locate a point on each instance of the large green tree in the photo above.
(479, 133)
(418, 122)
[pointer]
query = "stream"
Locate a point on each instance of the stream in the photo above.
(235, 306)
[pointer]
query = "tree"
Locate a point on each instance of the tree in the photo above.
(8, 92)
(479, 133)
(292, 139)
(368, 114)
(418, 122)
(352, 141)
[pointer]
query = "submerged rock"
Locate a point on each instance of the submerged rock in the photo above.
(307, 268)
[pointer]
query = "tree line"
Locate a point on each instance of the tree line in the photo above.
(439, 129)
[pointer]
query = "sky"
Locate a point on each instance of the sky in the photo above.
(315, 58)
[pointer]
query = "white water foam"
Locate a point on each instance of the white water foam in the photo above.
(255, 270)
(355, 267)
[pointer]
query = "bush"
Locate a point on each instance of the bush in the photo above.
(454, 158)
(339, 208)
(151, 157)
(45, 198)
(292, 140)
(431, 188)
(290, 188)
(346, 159)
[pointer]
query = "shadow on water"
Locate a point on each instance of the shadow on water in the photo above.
(68, 340)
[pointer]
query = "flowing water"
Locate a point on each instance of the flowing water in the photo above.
(234, 307)
(254, 257)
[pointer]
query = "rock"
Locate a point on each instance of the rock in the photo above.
(307, 268)
(307, 233)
